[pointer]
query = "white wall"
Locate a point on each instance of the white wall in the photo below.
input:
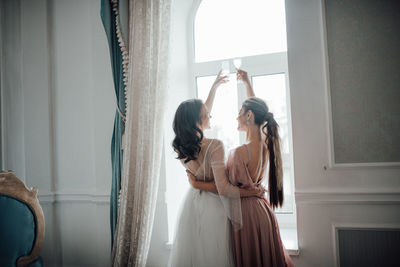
(352, 196)
(58, 111)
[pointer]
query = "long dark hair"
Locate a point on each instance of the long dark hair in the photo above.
(264, 118)
(188, 135)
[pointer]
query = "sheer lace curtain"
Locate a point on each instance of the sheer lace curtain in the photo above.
(149, 26)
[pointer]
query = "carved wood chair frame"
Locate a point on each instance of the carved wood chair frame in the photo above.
(11, 185)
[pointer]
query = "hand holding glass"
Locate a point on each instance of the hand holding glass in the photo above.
(237, 62)
(225, 68)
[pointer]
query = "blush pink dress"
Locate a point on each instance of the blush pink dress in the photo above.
(258, 242)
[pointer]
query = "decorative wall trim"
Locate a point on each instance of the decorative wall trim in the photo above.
(328, 103)
(335, 244)
(70, 197)
(334, 166)
(365, 198)
(353, 226)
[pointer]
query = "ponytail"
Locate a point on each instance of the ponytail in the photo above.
(265, 119)
(275, 183)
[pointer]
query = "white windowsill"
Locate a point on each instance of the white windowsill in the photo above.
(289, 239)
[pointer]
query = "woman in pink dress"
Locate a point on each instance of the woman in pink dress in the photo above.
(258, 242)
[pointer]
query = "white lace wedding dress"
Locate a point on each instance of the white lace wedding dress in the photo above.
(203, 233)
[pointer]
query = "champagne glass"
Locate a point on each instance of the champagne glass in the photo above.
(225, 68)
(237, 62)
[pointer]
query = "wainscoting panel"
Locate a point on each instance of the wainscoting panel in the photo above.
(362, 42)
(368, 247)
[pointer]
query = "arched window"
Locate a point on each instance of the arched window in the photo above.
(237, 28)
(255, 32)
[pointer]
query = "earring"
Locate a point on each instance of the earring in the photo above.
(248, 121)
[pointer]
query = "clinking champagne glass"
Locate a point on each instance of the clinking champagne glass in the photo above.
(225, 68)
(237, 62)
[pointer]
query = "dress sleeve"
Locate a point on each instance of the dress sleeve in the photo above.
(229, 194)
(224, 187)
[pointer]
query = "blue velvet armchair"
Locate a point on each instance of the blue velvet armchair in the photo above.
(21, 223)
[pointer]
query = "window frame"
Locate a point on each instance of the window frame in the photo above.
(255, 65)
(260, 65)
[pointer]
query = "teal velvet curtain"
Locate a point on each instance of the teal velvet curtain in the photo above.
(108, 19)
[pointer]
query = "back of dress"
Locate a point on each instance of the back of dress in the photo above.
(210, 166)
(202, 166)
(248, 174)
(258, 243)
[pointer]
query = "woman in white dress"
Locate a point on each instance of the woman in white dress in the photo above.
(203, 232)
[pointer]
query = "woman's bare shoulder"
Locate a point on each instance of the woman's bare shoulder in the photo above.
(242, 152)
(214, 142)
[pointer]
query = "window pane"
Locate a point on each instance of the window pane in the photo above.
(238, 28)
(224, 113)
(272, 88)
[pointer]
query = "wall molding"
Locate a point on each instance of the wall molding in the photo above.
(304, 197)
(328, 103)
(364, 198)
(308, 197)
(354, 226)
(334, 166)
(74, 197)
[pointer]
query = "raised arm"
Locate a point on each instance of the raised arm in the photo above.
(211, 187)
(242, 75)
(211, 95)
